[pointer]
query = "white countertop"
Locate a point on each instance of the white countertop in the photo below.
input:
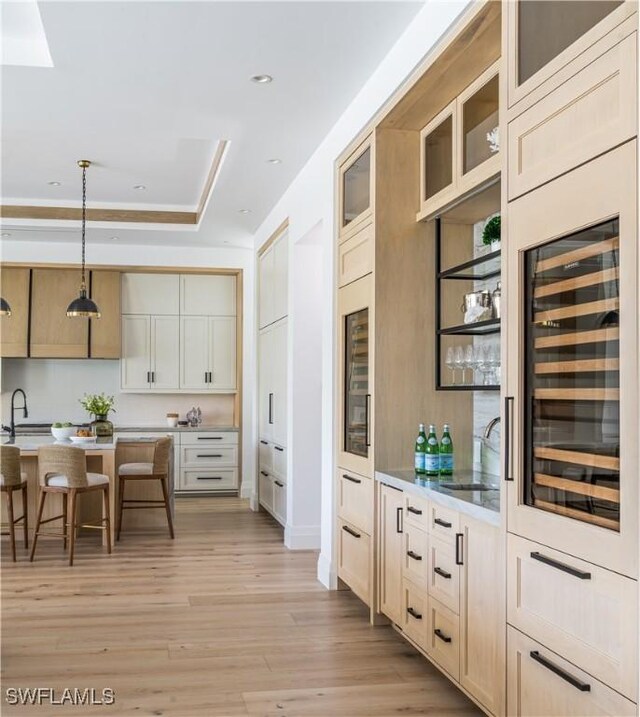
(32, 443)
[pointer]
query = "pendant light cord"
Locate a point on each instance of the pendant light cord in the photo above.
(84, 219)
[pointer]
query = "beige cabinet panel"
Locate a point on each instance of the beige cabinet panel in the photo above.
(443, 523)
(265, 455)
(209, 479)
(14, 329)
(265, 384)
(279, 391)
(415, 614)
(266, 273)
(105, 331)
(356, 256)
(355, 499)
(280, 501)
(216, 455)
(443, 573)
(280, 462)
(356, 182)
(390, 553)
(222, 353)
(416, 512)
(585, 613)
(157, 294)
(194, 349)
(53, 333)
(354, 555)
(541, 683)
(165, 352)
(135, 366)
(207, 295)
(415, 555)
(443, 646)
(280, 277)
(265, 489)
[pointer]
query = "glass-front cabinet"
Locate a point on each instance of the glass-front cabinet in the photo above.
(356, 189)
(572, 406)
(355, 405)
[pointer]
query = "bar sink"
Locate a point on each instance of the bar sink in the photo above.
(467, 486)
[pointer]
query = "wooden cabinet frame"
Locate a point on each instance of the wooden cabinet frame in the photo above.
(354, 226)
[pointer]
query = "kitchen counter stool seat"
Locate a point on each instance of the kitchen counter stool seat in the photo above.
(12, 480)
(156, 470)
(63, 469)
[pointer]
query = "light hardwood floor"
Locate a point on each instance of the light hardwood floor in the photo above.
(222, 621)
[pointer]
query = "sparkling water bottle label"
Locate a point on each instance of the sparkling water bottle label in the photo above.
(446, 462)
(419, 465)
(432, 463)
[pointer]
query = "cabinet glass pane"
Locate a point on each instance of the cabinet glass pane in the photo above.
(356, 391)
(355, 189)
(480, 125)
(438, 158)
(547, 27)
(572, 424)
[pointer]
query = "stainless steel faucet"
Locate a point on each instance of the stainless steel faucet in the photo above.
(23, 408)
(490, 426)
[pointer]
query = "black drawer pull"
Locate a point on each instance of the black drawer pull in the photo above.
(209, 455)
(442, 573)
(443, 523)
(414, 556)
(561, 566)
(415, 511)
(508, 438)
(399, 521)
(209, 438)
(566, 676)
(262, 473)
(279, 449)
(459, 548)
(413, 613)
(351, 532)
(209, 478)
(264, 443)
(280, 485)
(353, 480)
(438, 633)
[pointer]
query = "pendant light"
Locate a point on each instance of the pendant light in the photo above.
(83, 306)
(5, 309)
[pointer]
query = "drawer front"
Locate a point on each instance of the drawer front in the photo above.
(210, 455)
(415, 614)
(355, 499)
(280, 501)
(355, 256)
(280, 462)
(443, 523)
(583, 612)
(416, 512)
(444, 638)
(354, 559)
(265, 490)
(416, 558)
(540, 682)
(209, 438)
(265, 455)
(209, 479)
(444, 574)
(587, 115)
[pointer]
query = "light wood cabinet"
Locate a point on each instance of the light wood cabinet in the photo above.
(208, 353)
(356, 256)
(207, 295)
(354, 559)
(355, 499)
(415, 614)
(105, 332)
(151, 294)
(356, 189)
(151, 353)
(15, 288)
(444, 573)
(415, 558)
(390, 555)
(53, 333)
(443, 645)
(540, 682)
(273, 272)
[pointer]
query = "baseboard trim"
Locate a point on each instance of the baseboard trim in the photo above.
(326, 573)
(302, 537)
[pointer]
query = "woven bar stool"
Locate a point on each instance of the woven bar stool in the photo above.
(157, 470)
(63, 470)
(12, 480)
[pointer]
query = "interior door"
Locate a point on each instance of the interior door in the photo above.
(135, 366)
(222, 353)
(572, 346)
(165, 353)
(194, 349)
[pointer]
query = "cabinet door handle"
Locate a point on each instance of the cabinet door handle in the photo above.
(210, 376)
(209, 438)
(271, 408)
(148, 376)
(442, 573)
(279, 449)
(443, 523)
(353, 480)
(367, 414)
(399, 520)
(280, 485)
(262, 473)
(508, 438)
(208, 455)
(561, 566)
(459, 548)
(438, 633)
(413, 613)
(347, 529)
(566, 676)
(264, 443)
(414, 556)
(206, 377)
(153, 377)
(415, 511)
(209, 478)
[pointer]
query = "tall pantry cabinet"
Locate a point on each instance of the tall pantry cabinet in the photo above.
(273, 376)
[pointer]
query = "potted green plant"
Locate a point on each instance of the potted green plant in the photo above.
(99, 405)
(491, 233)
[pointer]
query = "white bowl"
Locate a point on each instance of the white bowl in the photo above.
(82, 439)
(63, 434)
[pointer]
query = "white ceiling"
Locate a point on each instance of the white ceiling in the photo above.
(147, 89)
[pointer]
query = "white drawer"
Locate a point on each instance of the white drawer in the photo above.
(215, 455)
(280, 462)
(209, 479)
(354, 556)
(416, 558)
(444, 638)
(355, 499)
(416, 512)
(584, 613)
(415, 614)
(540, 682)
(209, 438)
(443, 522)
(265, 454)
(444, 574)
(280, 501)
(265, 490)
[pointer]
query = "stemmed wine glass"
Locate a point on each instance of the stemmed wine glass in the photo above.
(469, 361)
(451, 364)
(458, 359)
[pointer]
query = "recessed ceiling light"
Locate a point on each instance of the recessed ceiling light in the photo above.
(244, 211)
(275, 160)
(139, 186)
(262, 79)
(114, 238)
(6, 234)
(54, 184)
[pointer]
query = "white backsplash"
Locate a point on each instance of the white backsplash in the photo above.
(53, 387)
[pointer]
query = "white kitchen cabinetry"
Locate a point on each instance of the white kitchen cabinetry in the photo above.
(151, 358)
(273, 281)
(272, 479)
(204, 295)
(208, 353)
(208, 461)
(273, 383)
(157, 294)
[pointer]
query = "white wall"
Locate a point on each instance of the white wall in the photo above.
(139, 255)
(309, 200)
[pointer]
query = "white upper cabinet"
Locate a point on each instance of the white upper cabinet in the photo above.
(165, 353)
(207, 295)
(222, 353)
(157, 294)
(135, 366)
(150, 353)
(208, 348)
(273, 271)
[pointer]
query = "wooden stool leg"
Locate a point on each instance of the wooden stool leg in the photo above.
(107, 521)
(25, 516)
(41, 499)
(72, 524)
(121, 484)
(12, 527)
(167, 506)
(65, 520)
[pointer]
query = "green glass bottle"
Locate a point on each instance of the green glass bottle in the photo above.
(446, 452)
(421, 448)
(432, 453)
